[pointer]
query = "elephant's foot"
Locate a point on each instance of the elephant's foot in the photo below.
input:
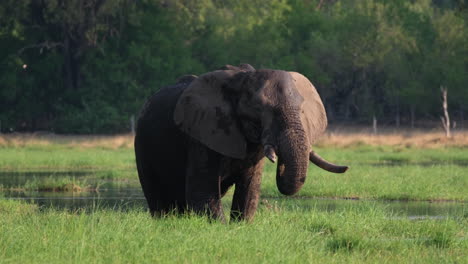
(211, 208)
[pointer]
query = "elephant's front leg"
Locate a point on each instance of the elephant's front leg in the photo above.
(247, 192)
(202, 186)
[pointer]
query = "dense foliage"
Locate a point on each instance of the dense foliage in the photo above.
(86, 66)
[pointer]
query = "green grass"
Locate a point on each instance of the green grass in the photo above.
(55, 158)
(280, 234)
(385, 172)
(407, 182)
(283, 231)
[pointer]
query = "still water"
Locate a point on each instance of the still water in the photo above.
(127, 195)
(112, 193)
(121, 198)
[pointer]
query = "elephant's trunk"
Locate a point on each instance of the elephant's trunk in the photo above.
(293, 153)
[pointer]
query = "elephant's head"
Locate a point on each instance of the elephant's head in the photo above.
(281, 110)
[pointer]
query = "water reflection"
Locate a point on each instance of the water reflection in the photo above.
(13, 178)
(122, 194)
(121, 198)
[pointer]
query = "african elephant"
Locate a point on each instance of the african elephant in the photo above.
(197, 138)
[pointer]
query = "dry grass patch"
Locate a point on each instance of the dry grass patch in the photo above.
(346, 137)
(82, 141)
(335, 136)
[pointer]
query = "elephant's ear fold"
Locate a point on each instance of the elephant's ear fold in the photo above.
(313, 116)
(203, 113)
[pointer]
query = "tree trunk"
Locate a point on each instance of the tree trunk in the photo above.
(374, 125)
(397, 116)
(462, 118)
(445, 119)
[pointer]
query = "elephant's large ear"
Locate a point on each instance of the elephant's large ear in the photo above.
(204, 113)
(313, 114)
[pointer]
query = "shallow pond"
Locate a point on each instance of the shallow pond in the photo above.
(124, 194)
(121, 197)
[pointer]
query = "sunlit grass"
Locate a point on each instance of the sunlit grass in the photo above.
(387, 172)
(279, 234)
(65, 159)
(283, 231)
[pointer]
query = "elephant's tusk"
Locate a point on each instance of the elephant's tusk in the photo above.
(319, 161)
(269, 151)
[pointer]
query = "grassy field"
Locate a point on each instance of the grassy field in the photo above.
(280, 234)
(392, 171)
(386, 167)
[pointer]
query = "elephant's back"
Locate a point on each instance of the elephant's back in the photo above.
(161, 103)
(155, 129)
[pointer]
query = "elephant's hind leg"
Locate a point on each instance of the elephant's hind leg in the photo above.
(149, 181)
(145, 174)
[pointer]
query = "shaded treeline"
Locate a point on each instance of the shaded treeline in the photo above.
(86, 66)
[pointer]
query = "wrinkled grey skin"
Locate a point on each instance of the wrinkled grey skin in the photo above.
(198, 138)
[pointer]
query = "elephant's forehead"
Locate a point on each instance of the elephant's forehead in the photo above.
(280, 90)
